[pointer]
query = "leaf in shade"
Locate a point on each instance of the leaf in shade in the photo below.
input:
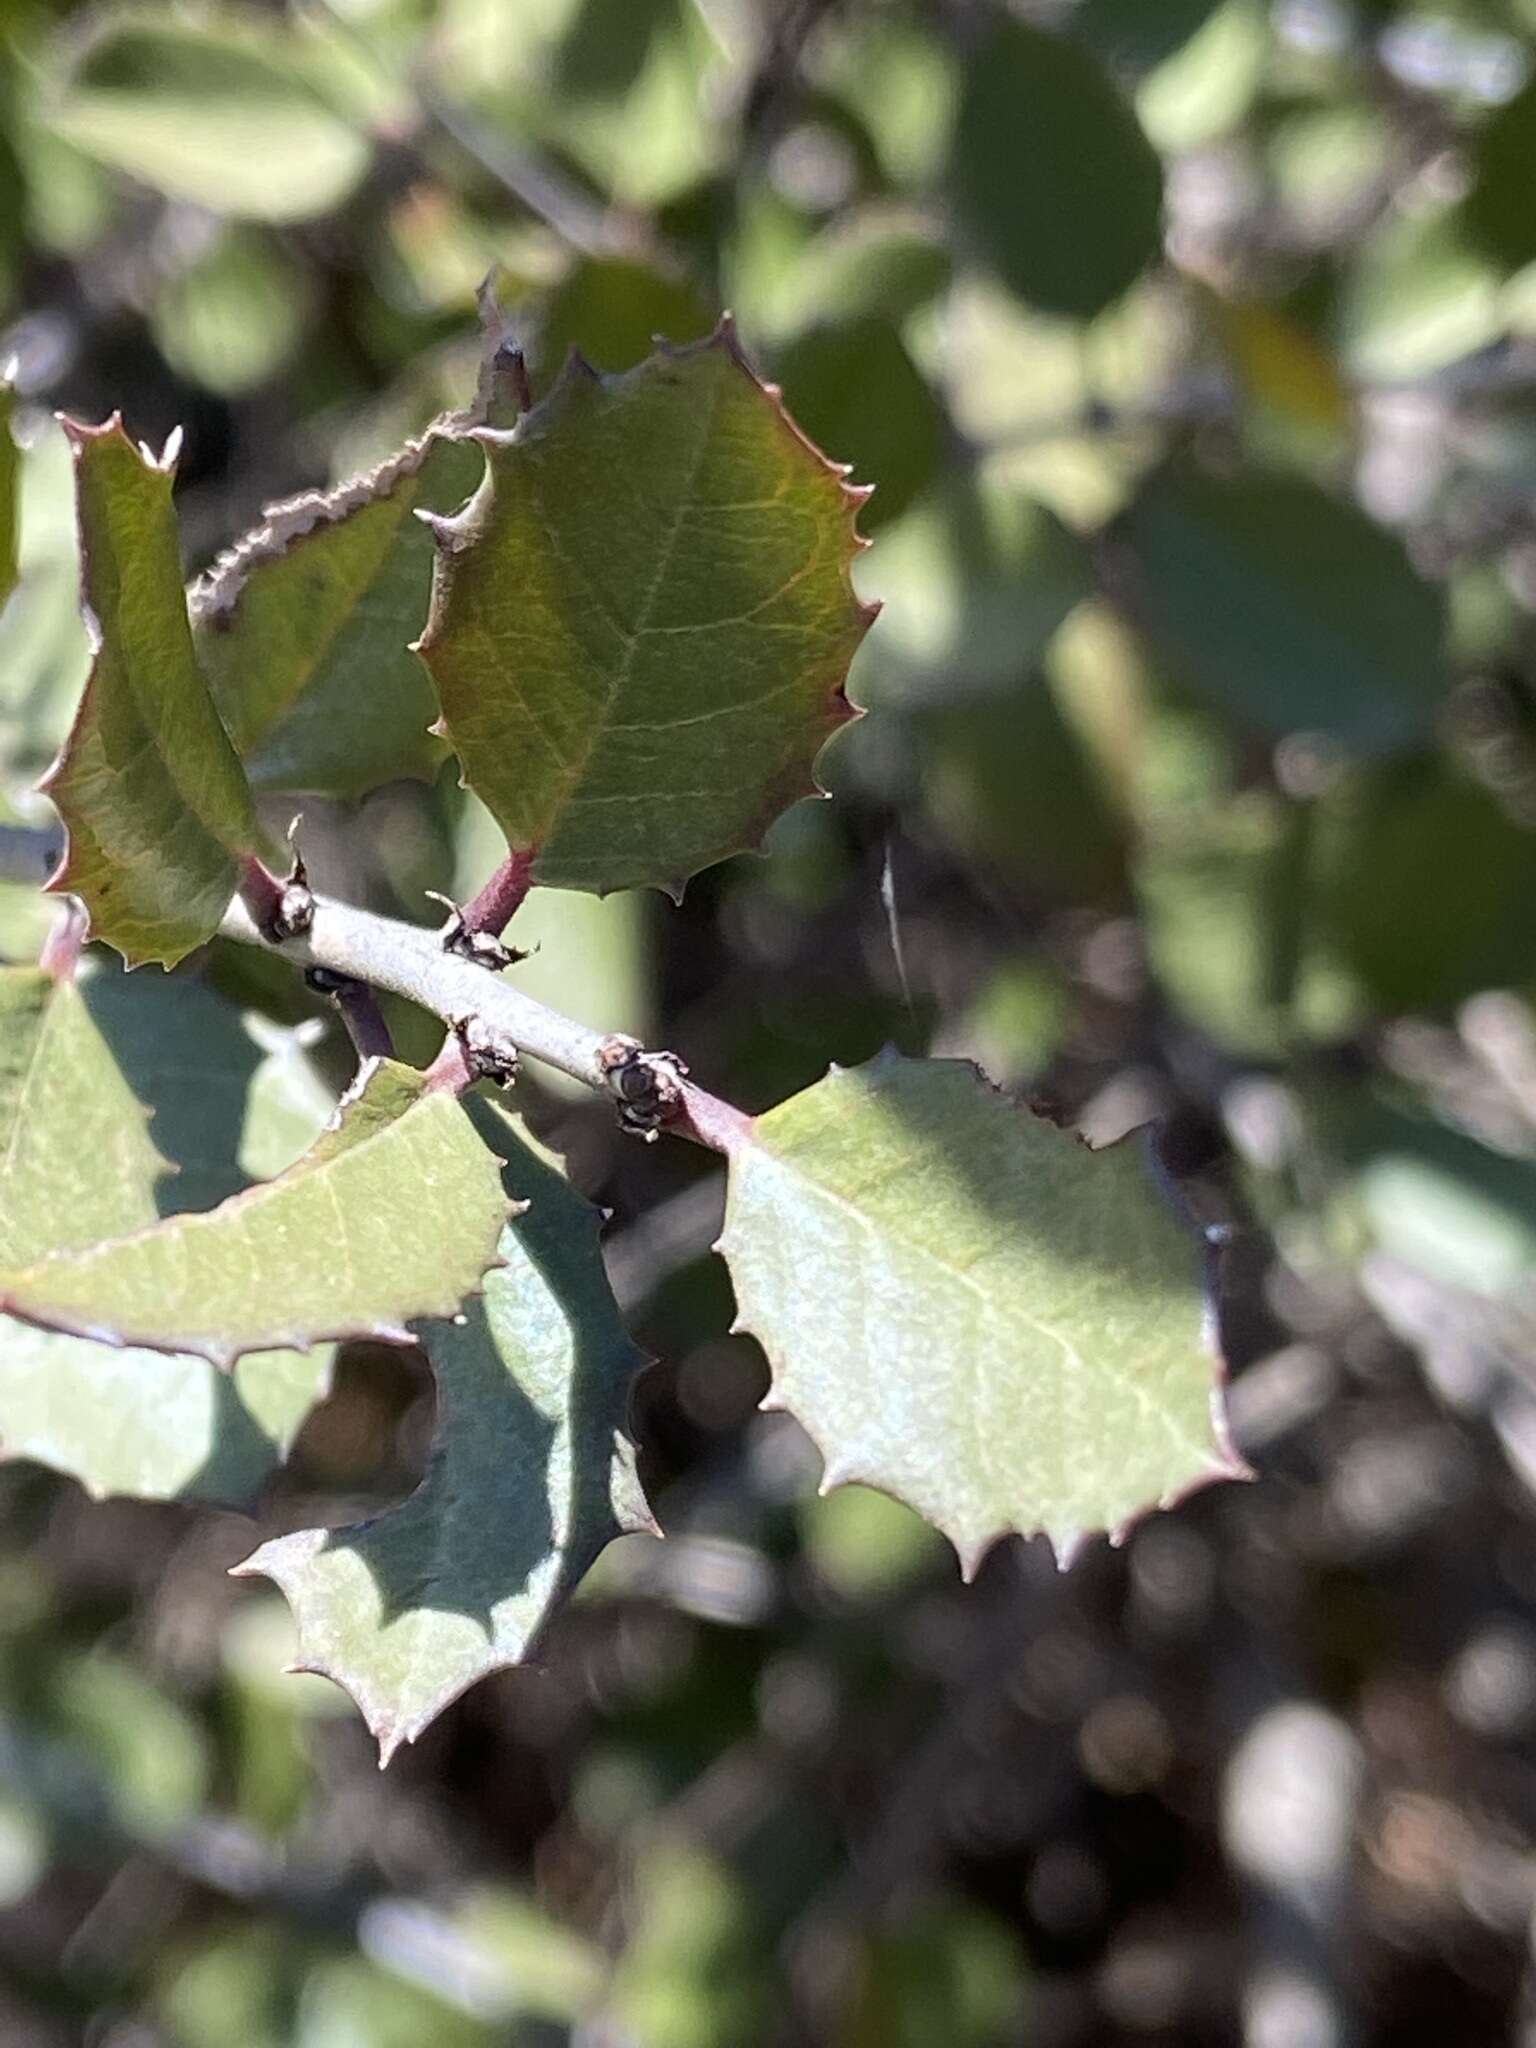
(227, 115)
(642, 621)
(10, 492)
(394, 1213)
(531, 1474)
(1288, 608)
(154, 1425)
(304, 628)
(854, 387)
(969, 1309)
(152, 793)
(76, 1160)
(1497, 209)
(77, 1164)
(1054, 179)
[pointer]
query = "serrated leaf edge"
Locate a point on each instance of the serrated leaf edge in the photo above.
(451, 535)
(1225, 1462)
(224, 1357)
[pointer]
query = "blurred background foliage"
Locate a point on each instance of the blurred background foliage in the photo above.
(1192, 346)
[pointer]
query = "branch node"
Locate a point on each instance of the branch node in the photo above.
(482, 947)
(489, 1052)
(647, 1086)
(284, 909)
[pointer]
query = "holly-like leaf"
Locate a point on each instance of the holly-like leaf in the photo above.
(76, 1160)
(151, 1424)
(10, 493)
(965, 1306)
(393, 1214)
(149, 787)
(304, 629)
(642, 621)
(76, 1165)
(531, 1474)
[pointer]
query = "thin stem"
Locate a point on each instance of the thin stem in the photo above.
(359, 1010)
(493, 908)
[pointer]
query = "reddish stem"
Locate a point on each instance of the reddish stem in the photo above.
(65, 941)
(493, 908)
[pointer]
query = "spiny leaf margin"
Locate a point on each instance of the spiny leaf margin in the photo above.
(301, 1259)
(153, 798)
(533, 1384)
(863, 1217)
(541, 632)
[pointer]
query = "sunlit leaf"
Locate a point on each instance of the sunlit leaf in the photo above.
(531, 1474)
(643, 619)
(156, 805)
(967, 1308)
(79, 1166)
(223, 114)
(394, 1213)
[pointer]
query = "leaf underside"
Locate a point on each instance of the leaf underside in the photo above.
(394, 1213)
(966, 1307)
(150, 789)
(76, 1165)
(642, 621)
(304, 629)
(531, 1474)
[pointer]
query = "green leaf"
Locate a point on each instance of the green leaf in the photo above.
(10, 494)
(1498, 207)
(78, 1165)
(233, 1099)
(44, 658)
(393, 1214)
(1289, 609)
(304, 629)
(967, 1308)
(1425, 884)
(1054, 180)
(531, 1474)
(225, 116)
(612, 309)
(643, 619)
(853, 387)
(150, 1424)
(76, 1160)
(150, 789)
